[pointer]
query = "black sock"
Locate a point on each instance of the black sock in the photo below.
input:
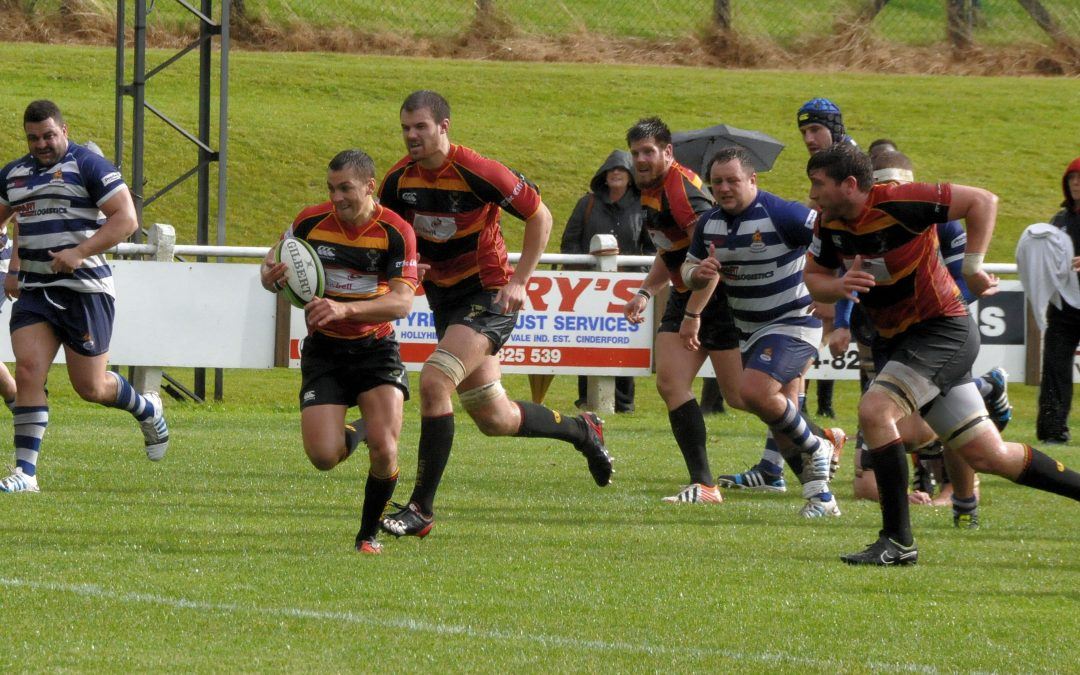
(1046, 473)
(354, 433)
(377, 493)
(538, 421)
(891, 471)
(436, 439)
(688, 425)
(794, 459)
(824, 395)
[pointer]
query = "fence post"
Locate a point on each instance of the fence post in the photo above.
(959, 23)
(148, 378)
(722, 14)
(600, 390)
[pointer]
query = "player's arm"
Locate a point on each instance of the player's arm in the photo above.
(391, 306)
(272, 273)
(11, 281)
(695, 305)
(120, 223)
(825, 286)
(537, 230)
(978, 208)
(655, 280)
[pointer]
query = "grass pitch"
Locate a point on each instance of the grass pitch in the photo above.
(235, 554)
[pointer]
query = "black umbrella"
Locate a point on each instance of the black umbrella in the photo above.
(694, 149)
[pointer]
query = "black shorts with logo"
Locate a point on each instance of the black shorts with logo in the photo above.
(942, 350)
(336, 371)
(717, 331)
(478, 312)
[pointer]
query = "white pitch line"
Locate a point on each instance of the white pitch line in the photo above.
(772, 657)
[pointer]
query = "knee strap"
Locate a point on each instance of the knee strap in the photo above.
(482, 395)
(447, 364)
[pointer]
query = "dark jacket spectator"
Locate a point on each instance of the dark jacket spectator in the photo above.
(612, 206)
(1062, 329)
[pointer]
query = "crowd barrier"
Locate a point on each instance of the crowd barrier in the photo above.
(180, 314)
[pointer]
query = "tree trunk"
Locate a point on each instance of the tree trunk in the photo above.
(722, 14)
(872, 9)
(1042, 17)
(959, 25)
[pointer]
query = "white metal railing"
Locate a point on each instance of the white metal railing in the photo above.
(545, 259)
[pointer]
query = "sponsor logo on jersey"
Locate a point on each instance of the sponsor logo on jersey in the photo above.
(409, 198)
(309, 395)
(111, 178)
(325, 251)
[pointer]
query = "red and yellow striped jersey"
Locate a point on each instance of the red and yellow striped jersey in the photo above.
(671, 210)
(455, 212)
(360, 262)
(896, 236)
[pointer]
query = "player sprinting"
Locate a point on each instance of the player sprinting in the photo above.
(756, 243)
(454, 198)
(351, 356)
(70, 205)
(925, 341)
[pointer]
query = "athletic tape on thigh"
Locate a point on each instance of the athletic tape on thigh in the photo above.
(901, 380)
(482, 395)
(958, 416)
(448, 364)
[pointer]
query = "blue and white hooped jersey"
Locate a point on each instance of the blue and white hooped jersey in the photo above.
(56, 208)
(5, 250)
(762, 253)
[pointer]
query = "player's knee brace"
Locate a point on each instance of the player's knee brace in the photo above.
(447, 364)
(481, 396)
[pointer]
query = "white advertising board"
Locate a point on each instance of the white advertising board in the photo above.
(174, 314)
(572, 323)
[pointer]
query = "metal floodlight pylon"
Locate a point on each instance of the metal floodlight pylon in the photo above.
(136, 89)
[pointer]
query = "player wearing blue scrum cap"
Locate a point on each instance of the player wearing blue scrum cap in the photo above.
(822, 125)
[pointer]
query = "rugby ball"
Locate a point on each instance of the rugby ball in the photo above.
(304, 275)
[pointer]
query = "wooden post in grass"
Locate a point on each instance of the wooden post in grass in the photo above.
(958, 24)
(722, 14)
(600, 390)
(148, 378)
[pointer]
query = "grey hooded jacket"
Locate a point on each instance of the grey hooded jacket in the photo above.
(595, 213)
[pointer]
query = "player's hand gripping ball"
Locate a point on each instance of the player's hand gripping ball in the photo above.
(304, 275)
